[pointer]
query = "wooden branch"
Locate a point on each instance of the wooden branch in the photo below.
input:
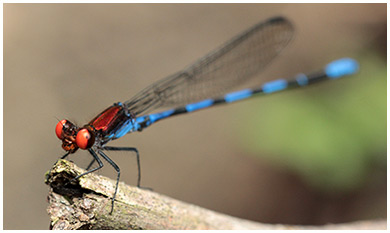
(86, 203)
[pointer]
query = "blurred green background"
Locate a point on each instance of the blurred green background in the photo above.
(307, 156)
(333, 135)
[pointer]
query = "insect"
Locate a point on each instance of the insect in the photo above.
(203, 84)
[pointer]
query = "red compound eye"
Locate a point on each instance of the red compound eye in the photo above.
(84, 139)
(59, 127)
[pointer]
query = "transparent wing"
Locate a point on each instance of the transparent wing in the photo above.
(217, 72)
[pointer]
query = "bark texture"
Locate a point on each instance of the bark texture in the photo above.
(86, 203)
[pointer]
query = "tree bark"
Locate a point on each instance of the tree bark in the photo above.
(86, 204)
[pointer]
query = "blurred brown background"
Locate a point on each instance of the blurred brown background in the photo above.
(73, 60)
